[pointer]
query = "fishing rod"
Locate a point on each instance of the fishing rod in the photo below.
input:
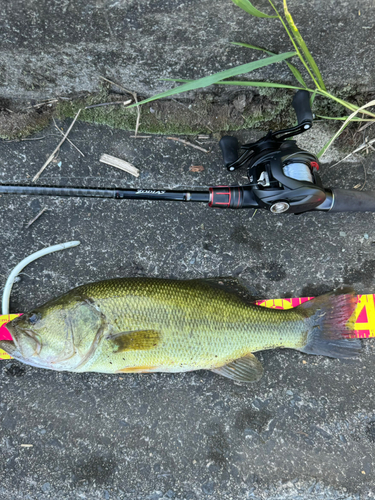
(282, 178)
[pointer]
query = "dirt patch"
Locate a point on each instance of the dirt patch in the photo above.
(20, 120)
(208, 112)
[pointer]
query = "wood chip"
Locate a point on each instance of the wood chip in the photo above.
(27, 445)
(121, 164)
(196, 168)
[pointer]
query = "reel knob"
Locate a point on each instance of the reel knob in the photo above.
(229, 148)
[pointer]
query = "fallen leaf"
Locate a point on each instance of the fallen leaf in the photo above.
(196, 168)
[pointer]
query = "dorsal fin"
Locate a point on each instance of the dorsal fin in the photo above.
(138, 340)
(231, 285)
(246, 369)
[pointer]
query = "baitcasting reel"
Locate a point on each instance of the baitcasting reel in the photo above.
(282, 177)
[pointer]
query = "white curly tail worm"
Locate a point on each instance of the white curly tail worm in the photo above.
(24, 263)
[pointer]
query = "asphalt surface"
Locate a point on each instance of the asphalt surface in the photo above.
(306, 430)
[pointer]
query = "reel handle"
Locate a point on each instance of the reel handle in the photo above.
(229, 148)
(301, 105)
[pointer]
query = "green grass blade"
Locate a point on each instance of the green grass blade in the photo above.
(210, 80)
(346, 104)
(248, 46)
(343, 127)
(260, 84)
(297, 74)
(343, 118)
(302, 44)
(243, 83)
(312, 98)
(293, 69)
(250, 9)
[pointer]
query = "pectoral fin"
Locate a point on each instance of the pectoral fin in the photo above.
(246, 369)
(139, 340)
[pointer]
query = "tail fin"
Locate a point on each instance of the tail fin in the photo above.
(330, 324)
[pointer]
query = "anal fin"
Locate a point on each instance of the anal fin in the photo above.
(246, 369)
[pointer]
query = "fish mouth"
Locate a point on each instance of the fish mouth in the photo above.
(14, 348)
(10, 348)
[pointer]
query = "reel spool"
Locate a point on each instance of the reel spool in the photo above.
(298, 171)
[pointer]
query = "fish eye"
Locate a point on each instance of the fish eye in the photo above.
(33, 319)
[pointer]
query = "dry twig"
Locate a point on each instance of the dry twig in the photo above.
(362, 146)
(51, 157)
(366, 125)
(70, 142)
(51, 101)
(188, 144)
(134, 94)
(36, 218)
(117, 85)
(32, 139)
(364, 169)
(125, 103)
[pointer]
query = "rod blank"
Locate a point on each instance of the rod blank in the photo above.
(119, 194)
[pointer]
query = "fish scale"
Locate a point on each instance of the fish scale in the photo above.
(202, 326)
(148, 325)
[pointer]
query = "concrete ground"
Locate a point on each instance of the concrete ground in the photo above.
(59, 48)
(306, 430)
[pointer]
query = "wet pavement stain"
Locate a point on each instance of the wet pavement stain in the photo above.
(252, 420)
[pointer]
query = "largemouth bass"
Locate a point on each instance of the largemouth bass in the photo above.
(156, 325)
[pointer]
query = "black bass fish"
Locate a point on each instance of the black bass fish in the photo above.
(157, 325)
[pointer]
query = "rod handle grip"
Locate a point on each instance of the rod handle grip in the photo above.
(346, 200)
